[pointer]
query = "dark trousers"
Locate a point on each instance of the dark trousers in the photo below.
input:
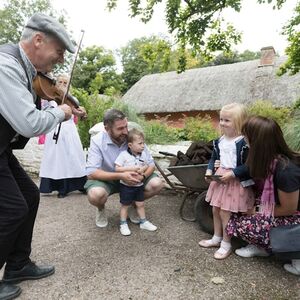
(19, 201)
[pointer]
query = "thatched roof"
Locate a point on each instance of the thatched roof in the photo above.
(211, 87)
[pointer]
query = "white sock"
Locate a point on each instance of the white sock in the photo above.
(296, 264)
(224, 247)
(216, 239)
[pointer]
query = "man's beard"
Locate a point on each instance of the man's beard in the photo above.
(120, 139)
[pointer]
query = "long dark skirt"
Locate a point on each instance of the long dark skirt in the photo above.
(63, 186)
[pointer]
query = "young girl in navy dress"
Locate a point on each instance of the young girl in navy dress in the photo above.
(232, 191)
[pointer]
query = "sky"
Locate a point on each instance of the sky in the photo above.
(260, 24)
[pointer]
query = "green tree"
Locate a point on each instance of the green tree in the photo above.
(292, 65)
(233, 57)
(15, 14)
(144, 56)
(193, 60)
(200, 25)
(190, 21)
(95, 71)
(249, 55)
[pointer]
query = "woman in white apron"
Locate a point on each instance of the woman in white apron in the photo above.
(63, 163)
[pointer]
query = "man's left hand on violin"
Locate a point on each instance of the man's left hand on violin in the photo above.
(79, 112)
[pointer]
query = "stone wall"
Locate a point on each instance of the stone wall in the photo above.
(31, 156)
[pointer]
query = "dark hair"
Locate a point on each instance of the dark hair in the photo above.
(266, 143)
(132, 133)
(111, 116)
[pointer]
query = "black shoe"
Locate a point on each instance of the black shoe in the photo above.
(59, 195)
(29, 272)
(9, 291)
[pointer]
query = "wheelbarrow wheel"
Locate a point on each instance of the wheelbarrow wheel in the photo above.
(186, 211)
(203, 214)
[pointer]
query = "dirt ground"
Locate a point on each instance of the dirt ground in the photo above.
(94, 263)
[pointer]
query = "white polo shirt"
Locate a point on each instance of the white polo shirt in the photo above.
(103, 153)
(127, 159)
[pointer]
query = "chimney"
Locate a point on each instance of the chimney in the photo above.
(267, 57)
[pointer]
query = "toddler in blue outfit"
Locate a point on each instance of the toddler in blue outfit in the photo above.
(133, 159)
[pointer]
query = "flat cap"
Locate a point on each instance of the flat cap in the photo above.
(47, 24)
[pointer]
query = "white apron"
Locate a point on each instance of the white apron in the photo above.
(65, 159)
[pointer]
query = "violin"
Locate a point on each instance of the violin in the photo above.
(46, 88)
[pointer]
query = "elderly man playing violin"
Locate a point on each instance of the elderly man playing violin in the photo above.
(42, 45)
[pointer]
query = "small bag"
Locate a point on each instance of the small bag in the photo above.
(285, 240)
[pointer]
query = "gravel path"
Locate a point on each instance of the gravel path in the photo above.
(94, 263)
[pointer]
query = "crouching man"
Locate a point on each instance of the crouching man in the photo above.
(103, 181)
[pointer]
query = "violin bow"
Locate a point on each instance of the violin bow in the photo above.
(73, 66)
(56, 134)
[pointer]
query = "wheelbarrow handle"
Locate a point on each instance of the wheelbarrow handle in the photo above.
(167, 153)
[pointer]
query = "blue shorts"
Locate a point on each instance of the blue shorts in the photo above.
(129, 194)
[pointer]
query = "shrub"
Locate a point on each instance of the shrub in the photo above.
(292, 131)
(95, 106)
(180, 134)
(155, 131)
(266, 109)
(128, 110)
(296, 105)
(158, 133)
(200, 129)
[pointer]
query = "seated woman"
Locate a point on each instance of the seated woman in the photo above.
(276, 168)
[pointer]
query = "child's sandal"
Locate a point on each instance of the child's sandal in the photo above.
(209, 243)
(221, 253)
